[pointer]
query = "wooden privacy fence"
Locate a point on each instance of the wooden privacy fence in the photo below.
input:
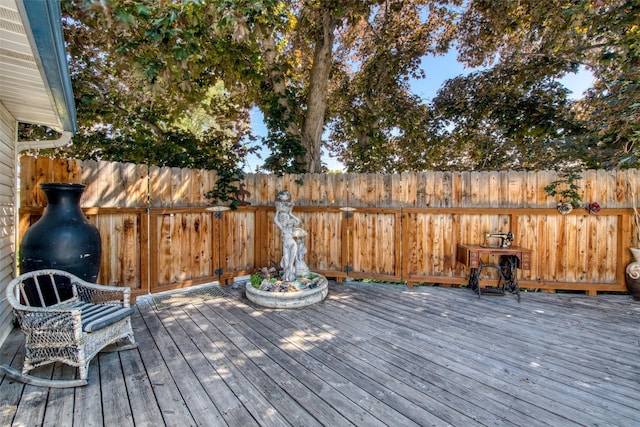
(159, 233)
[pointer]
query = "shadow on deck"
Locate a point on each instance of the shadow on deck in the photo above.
(368, 355)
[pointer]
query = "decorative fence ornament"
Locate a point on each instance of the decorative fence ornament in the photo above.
(593, 208)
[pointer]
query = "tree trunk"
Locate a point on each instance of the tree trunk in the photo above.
(278, 83)
(313, 125)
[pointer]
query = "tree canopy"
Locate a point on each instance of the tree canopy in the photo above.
(126, 114)
(535, 41)
(172, 82)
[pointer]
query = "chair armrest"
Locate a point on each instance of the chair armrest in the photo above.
(102, 294)
(53, 321)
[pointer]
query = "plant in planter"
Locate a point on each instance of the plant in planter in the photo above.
(567, 189)
(256, 280)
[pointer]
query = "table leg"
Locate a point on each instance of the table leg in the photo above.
(474, 280)
(508, 269)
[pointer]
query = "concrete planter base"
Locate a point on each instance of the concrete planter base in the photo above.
(287, 299)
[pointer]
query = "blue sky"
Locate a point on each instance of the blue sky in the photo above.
(437, 70)
(440, 68)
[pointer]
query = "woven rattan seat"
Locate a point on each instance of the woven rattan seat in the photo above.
(66, 319)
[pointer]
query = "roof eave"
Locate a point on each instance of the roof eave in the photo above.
(42, 21)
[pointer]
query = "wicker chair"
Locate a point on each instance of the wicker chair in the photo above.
(68, 320)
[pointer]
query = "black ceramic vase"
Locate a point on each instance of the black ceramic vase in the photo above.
(633, 285)
(632, 279)
(63, 238)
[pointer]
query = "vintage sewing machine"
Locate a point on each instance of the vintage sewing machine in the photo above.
(510, 259)
(505, 239)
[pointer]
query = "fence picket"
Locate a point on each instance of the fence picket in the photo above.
(28, 186)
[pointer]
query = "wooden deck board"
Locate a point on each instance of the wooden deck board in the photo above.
(302, 386)
(422, 366)
(479, 343)
(567, 347)
(227, 403)
(326, 381)
(168, 398)
(513, 354)
(112, 387)
(419, 373)
(279, 388)
(368, 355)
(297, 350)
(88, 400)
(191, 391)
(144, 406)
(60, 399)
(364, 369)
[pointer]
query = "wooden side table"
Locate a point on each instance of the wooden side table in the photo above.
(511, 258)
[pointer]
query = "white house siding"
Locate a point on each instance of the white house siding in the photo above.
(8, 200)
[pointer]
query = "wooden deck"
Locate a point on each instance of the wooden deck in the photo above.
(368, 355)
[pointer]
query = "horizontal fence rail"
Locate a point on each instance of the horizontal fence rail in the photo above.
(159, 231)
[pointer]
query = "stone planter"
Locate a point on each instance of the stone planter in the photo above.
(287, 299)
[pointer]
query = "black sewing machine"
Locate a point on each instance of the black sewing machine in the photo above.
(505, 239)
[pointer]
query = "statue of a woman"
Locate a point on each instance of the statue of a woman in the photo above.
(287, 223)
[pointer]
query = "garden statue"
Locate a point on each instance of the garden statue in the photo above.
(287, 223)
(296, 286)
(302, 269)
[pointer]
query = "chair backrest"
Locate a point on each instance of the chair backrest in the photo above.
(43, 288)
